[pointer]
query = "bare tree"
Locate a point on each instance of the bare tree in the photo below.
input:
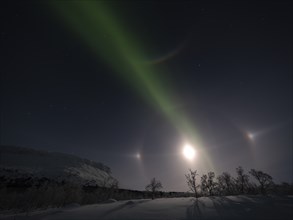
(264, 179)
(191, 181)
(222, 190)
(210, 183)
(225, 183)
(241, 179)
(203, 185)
(154, 186)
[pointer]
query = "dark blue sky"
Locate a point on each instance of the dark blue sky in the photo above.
(231, 75)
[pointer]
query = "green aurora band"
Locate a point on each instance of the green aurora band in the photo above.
(93, 22)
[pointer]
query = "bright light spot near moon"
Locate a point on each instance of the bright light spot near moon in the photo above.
(189, 152)
(137, 156)
(250, 136)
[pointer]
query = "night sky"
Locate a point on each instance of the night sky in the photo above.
(216, 76)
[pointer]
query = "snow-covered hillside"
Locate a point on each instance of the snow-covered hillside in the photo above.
(229, 207)
(24, 163)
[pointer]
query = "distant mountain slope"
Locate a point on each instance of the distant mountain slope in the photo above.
(19, 162)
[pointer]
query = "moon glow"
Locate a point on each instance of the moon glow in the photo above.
(189, 152)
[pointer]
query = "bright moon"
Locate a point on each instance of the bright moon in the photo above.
(189, 152)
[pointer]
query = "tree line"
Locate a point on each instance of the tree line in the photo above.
(225, 184)
(253, 182)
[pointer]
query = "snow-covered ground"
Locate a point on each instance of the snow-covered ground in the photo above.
(229, 207)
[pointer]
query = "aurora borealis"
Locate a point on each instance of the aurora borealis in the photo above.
(130, 83)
